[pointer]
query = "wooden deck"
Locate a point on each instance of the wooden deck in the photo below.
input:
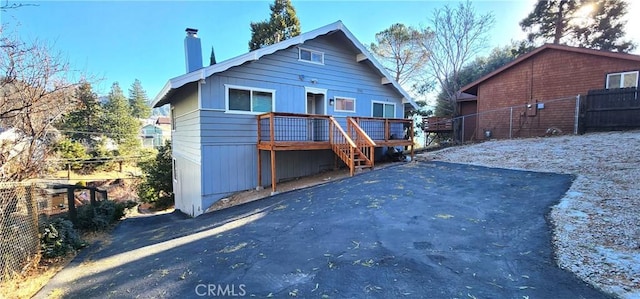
(293, 131)
(354, 146)
(437, 124)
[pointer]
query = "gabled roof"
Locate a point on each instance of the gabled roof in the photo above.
(163, 120)
(163, 96)
(472, 88)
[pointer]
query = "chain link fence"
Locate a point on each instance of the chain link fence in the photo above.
(534, 119)
(19, 236)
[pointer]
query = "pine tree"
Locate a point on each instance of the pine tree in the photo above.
(212, 58)
(84, 123)
(283, 24)
(400, 50)
(596, 24)
(138, 101)
(123, 127)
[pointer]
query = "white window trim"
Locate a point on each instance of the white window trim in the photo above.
(174, 169)
(173, 119)
(335, 104)
(315, 90)
(622, 77)
(251, 89)
(300, 49)
(384, 103)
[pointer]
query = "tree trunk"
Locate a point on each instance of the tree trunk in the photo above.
(559, 23)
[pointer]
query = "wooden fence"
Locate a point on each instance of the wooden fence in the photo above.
(610, 109)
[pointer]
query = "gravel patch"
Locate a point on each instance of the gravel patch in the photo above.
(597, 224)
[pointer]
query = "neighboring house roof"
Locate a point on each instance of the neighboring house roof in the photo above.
(472, 88)
(164, 95)
(163, 120)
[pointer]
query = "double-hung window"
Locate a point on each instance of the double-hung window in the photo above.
(622, 80)
(310, 56)
(386, 110)
(247, 99)
(345, 104)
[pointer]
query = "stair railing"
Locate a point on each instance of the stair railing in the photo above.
(342, 145)
(365, 145)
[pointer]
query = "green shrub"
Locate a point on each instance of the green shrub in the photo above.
(101, 216)
(58, 237)
(157, 185)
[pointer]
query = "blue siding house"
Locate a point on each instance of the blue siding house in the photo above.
(307, 104)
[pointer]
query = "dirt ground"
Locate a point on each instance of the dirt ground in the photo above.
(597, 223)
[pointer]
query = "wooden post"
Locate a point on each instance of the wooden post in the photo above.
(68, 171)
(273, 172)
(272, 123)
(387, 132)
(412, 141)
(93, 196)
(259, 156)
(73, 214)
(351, 162)
(120, 166)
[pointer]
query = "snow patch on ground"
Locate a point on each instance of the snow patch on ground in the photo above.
(597, 224)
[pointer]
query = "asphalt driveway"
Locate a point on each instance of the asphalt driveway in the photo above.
(418, 230)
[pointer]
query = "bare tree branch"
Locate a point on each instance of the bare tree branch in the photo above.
(34, 92)
(459, 35)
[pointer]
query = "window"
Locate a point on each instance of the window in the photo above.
(310, 56)
(175, 170)
(249, 99)
(345, 104)
(386, 110)
(622, 80)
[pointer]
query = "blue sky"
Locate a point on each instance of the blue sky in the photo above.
(124, 40)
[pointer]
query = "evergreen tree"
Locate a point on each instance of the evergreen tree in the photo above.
(212, 58)
(122, 126)
(138, 101)
(157, 182)
(400, 50)
(596, 24)
(473, 71)
(85, 120)
(282, 24)
(72, 151)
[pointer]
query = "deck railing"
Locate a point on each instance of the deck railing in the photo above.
(387, 129)
(437, 124)
(292, 127)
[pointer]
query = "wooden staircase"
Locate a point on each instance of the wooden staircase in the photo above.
(354, 147)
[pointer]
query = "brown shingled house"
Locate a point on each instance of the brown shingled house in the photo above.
(542, 87)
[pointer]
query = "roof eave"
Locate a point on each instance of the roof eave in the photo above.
(163, 96)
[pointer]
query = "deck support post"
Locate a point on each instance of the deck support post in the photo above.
(412, 141)
(273, 172)
(259, 171)
(259, 155)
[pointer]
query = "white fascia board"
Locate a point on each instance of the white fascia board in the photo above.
(163, 92)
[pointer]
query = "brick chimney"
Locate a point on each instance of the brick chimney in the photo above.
(192, 50)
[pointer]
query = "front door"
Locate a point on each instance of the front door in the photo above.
(316, 105)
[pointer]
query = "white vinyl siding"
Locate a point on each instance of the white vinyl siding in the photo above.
(247, 99)
(622, 80)
(344, 104)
